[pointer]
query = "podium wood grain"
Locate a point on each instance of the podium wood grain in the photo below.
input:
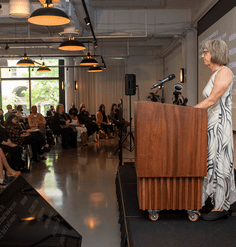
(170, 155)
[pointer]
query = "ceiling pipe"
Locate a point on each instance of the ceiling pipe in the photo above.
(87, 15)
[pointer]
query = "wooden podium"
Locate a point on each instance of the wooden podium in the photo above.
(170, 155)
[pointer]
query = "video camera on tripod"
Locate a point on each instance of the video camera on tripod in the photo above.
(178, 97)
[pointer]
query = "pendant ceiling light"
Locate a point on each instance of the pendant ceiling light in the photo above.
(49, 16)
(71, 45)
(19, 8)
(95, 69)
(89, 61)
(25, 61)
(43, 68)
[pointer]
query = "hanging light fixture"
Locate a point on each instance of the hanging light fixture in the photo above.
(71, 45)
(43, 68)
(89, 60)
(49, 16)
(19, 8)
(25, 61)
(95, 69)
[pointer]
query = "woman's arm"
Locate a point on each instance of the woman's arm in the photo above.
(99, 117)
(222, 80)
(108, 121)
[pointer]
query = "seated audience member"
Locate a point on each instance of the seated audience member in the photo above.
(9, 111)
(37, 121)
(125, 123)
(20, 137)
(10, 147)
(51, 111)
(114, 117)
(1, 117)
(73, 110)
(92, 127)
(103, 121)
(60, 125)
(22, 116)
(9, 171)
(36, 134)
(81, 129)
(82, 105)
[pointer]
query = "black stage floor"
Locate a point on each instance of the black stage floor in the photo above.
(172, 228)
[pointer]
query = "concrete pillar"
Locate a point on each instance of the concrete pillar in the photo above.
(69, 81)
(191, 67)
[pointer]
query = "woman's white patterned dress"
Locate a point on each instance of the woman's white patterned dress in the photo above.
(219, 183)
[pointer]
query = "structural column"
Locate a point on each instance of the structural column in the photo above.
(191, 67)
(69, 79)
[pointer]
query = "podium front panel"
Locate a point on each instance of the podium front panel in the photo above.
(170, 140)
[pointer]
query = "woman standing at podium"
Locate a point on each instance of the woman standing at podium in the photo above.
(219, 184)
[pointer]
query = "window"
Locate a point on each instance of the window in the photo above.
(27, 87)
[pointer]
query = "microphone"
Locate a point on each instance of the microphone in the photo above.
(168, 78)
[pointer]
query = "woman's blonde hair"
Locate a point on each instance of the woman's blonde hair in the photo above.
(219, 51)
(58, 107)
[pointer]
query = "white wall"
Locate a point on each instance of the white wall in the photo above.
(172, 65)
(146, 64)
(185, 56)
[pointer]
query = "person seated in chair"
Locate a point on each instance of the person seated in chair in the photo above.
(9, 111)
(37, 121)
(103, 121)
(23, 137)
(114, 117)
(13, 149)
(1, 117)
(51, 111)
(125, 123)
(9, 171)
(81, 129)
(61, 126)
(22, 116)
(73, 110)
(92, 127)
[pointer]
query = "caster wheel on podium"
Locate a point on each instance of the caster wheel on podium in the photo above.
(153, 217)
(194, 217)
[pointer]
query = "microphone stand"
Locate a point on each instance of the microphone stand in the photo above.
(130, 134)
(162, 94)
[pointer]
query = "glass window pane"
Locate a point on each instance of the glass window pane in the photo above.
(44, 93)
(15, 93)
(48, 63)
(14, 72)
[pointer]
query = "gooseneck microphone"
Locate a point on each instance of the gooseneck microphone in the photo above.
(168, 78)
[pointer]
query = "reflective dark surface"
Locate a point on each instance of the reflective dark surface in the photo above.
(28, 220)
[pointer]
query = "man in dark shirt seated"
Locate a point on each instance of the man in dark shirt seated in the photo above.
(51, 111)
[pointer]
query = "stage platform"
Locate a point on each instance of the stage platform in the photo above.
(172, 228)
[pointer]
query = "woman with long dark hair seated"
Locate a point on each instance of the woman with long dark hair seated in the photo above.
(103, 121)
(19, 137)
(92, 127)
(13, 149)
(61, 126)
